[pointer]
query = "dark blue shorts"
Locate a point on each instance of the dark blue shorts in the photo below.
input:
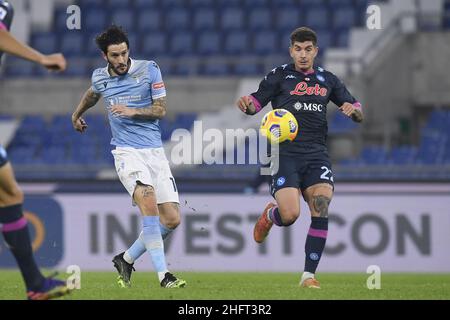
(3, 156)
(301, 172)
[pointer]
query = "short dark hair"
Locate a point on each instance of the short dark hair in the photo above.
(303, 34)
(113, 35)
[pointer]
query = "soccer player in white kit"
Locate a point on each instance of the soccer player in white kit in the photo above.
(135, 99)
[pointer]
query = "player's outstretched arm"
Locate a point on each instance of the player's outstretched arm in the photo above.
(156, 111)
(90, 98)
(245, 104)
(351, 111)
(9, 44)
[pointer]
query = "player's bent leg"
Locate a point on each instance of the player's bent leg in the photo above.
(145, 198)
(318, 197)
(288, 206)
(10, 192)
(169, 214)
(284, 214)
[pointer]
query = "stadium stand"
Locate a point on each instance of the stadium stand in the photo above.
(208, 38)
(217, 29)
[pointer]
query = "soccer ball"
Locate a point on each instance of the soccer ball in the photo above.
(279, 125)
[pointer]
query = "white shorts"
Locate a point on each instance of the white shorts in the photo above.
(148, 166)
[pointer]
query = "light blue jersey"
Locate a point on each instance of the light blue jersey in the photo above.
(137, 89)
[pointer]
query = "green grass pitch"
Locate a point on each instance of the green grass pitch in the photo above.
(245, 286)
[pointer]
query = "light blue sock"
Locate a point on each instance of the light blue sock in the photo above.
(164, 231)
(137, 249)
(154, 242)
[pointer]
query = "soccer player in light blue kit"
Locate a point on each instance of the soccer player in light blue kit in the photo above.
(135, 98)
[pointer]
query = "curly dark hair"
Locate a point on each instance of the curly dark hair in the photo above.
(113, 35)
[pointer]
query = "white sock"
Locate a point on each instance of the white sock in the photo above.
(161, 275)
(306, 275)
(127, 257)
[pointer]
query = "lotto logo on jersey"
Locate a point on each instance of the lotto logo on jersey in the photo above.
(302, 88)
(158, 85)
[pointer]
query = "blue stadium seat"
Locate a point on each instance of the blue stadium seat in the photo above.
(154, 43)
(149, 20)
(403, 155)
(214, 69)
(72, 43)
(183, 69)
(77, 67)
(209, 43)
(16, 67)
(170, 4)
(164, 66)
(91, 49)
(21, 155)
(146, 4)
(260, 18)
(204, 18)
(248, 69)
(195, 4)
(60, 19)
(229, 3)
(232, 19)
(44, 42)
(182, 44)
(317, 18)
(312, 3)
(236, 42)
(344, 18)
(324, 40)
(429, 157)
(53, 155)
(178, 19)
(351, 162)
(124, 19)
(250, 4)
(288, 18)
(96, 63)
(134, 41)
(342, 38)
(33, 122)
(284, 3)
(166, 127)
(340, 123)
(95, 20)
(374, 155)
(122, 4)
(89, 4)
(265, 43)
(185, 119)
(336, 4)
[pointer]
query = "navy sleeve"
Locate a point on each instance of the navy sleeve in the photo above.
(6, 15)
(339, 94)
(269, 87)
